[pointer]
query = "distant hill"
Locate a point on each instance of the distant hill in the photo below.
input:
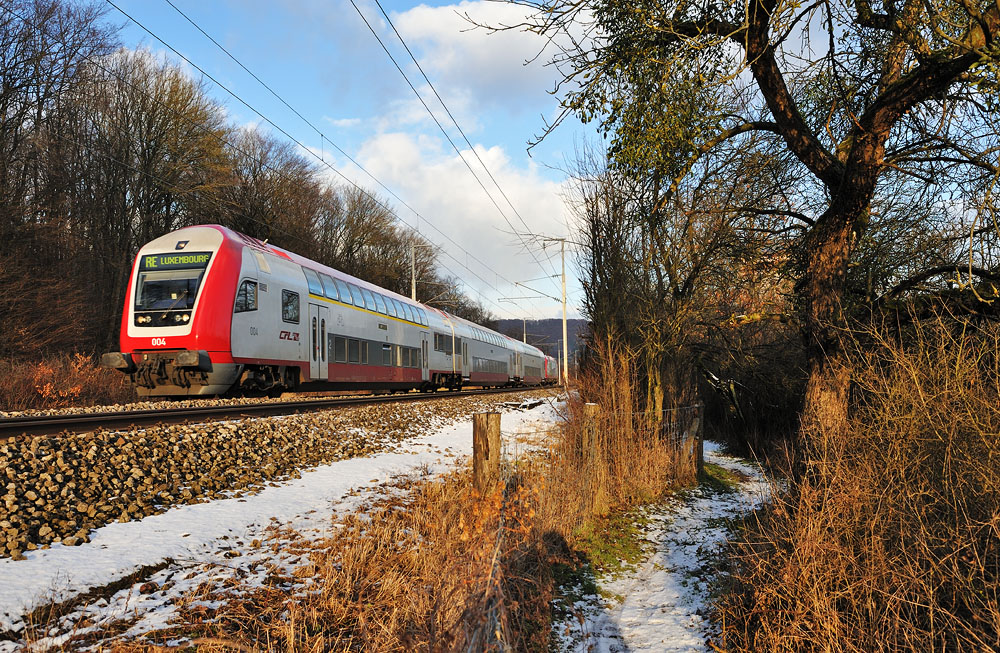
(546, 334)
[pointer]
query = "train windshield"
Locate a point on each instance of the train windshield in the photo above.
(170, 282)
(168, 290)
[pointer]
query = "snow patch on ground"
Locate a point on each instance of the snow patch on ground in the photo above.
(662, 605)
(208, 543)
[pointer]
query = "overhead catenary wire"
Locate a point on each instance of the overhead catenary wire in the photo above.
(325, 138)
(279, 128)
(454, 122)
(443, 130)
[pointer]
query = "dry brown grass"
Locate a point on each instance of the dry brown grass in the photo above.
(60, 381)
(416, 571)
(892, 540)
(632, 463)
(422, 569)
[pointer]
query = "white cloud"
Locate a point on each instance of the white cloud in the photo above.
(489, 66)
(437, 184)
(343, 123)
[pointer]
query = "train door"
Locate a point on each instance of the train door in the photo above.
(245, 340)
(424, 369)
(319, 324)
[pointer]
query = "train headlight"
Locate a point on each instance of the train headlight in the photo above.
(186, 317)
(177, 318)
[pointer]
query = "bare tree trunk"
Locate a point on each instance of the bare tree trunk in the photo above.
(824, 413)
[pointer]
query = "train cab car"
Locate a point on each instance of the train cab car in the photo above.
(551, 372)
(211, 311)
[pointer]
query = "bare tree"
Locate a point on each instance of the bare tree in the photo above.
(860, 100)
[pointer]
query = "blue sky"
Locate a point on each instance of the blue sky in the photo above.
(321, 58)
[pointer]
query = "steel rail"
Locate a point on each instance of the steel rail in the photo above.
(36, 425)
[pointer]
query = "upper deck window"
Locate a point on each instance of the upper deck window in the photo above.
(315, 287)
(345, 292)
(390, 308)
(369, 299)
(359, 299)
(329, 287)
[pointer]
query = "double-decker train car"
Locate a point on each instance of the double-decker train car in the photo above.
(211, 311)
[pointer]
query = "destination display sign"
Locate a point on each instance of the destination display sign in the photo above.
(187, 260)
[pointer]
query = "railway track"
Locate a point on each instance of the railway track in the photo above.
(53, 424)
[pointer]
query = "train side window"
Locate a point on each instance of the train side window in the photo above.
(329, 286)
(408, 312)
(387, 354)
(416, 358)
(353, 351)
(406, 356)
(290, 306)
(379, 303)
(369, 300)
(340, 349)
(359, 299)
(423, 317)
(246, 297)
(399, 309)
(390, 307)
(364, 352)
(345, 292)
(315, 287)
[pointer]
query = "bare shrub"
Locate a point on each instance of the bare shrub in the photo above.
(631, 463)
(60, 381)
(891, 540)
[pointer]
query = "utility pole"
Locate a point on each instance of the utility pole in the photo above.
(565, 356)
(564, 367)
(413, 269)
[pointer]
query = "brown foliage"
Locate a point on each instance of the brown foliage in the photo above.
(60, 381)
(440, 566)
(891, 540)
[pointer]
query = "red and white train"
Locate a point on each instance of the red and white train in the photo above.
(210, 311)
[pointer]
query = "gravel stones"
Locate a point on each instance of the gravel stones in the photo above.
(56, 489)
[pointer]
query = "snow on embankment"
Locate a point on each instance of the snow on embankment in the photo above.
(662, 604)
(204, 535)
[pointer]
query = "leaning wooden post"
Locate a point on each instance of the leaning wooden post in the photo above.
(485, 450)
(588, 434)
(700, 432)
(591, 467)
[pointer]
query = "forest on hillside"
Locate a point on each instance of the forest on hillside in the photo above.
(103, 148)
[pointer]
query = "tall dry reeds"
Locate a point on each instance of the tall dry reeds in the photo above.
(60, 381)
(631, 461)
(891, 540)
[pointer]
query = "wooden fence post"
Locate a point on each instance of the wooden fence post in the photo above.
(700, 434)
(485, 450)
(588, 434)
